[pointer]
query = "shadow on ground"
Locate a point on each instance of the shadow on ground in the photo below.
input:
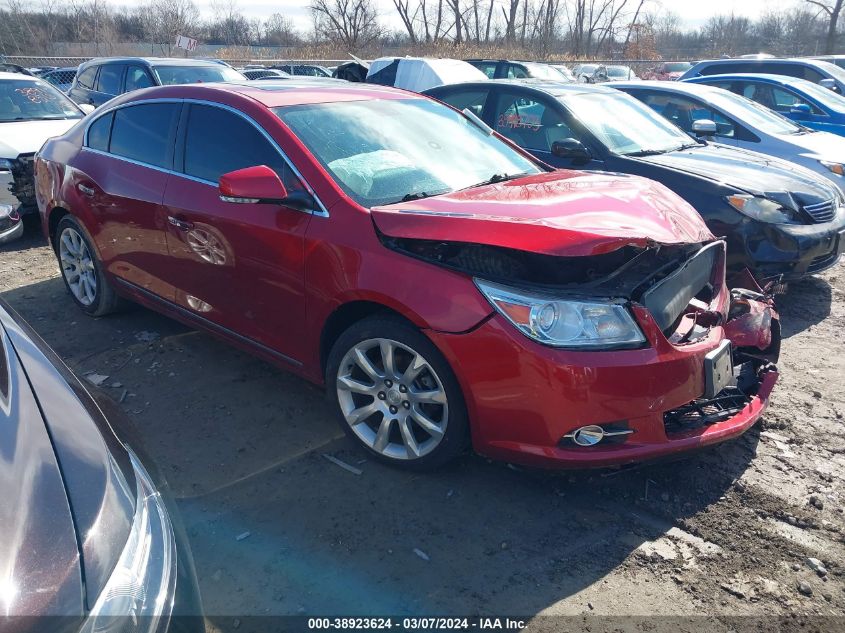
(278, 529)
(806, 303)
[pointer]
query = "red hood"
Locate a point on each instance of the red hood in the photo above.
(559, 213)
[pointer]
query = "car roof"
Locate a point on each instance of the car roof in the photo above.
(669, 86)
(154, 61)
(553, 88)
(767, 60)
(280, 93)
(766, 77)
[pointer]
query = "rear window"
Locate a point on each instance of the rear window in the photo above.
(173, 75)
(145, 133)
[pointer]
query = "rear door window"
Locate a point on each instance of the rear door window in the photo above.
(209, 154)
(146, 133)
(110, 79)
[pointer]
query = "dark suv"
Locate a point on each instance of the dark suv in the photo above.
(818, 71)
(102, 79)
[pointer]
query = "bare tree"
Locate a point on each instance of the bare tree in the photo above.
(403, 7)
(351, 23)
(279, 31)
(832, 9)
(510, 20)
(168, 18)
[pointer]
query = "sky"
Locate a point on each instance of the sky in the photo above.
(693, 12)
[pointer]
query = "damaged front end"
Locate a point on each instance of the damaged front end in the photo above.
(22, 185)
(678, 293)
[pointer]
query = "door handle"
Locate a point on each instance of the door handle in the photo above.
(180, 224)
(86, 190)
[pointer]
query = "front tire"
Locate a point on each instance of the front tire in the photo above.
(82, 271)
(396, 394)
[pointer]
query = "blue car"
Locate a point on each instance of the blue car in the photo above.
(804, 102)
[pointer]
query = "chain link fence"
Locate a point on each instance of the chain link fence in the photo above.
(637, 65)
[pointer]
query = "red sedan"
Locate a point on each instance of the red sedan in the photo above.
(442, 284)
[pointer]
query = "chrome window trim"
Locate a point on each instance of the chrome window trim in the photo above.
(321, 212)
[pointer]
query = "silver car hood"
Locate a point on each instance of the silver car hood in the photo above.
(820, 145)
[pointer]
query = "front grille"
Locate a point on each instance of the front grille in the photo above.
(699, 413)
(821, 212)
(727, 403)
(23, 180)
(823, 261)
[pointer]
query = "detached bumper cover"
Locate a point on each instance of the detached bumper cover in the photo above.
(524, 398)
(10, 233)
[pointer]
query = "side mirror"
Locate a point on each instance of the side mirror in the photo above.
(830, 84)
(87, 108)
(801, 109)
(252, 185)
(704, 127)
(572, 149)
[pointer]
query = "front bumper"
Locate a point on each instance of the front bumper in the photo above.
(523, 397)
(795, 250)
(10, 234)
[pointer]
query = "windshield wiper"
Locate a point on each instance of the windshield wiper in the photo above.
(495, 178)
(646, 152)
(417, 195)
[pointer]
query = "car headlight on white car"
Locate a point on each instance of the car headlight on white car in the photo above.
(762, 209)
(138, 597)
(561, 322)
(836, 168)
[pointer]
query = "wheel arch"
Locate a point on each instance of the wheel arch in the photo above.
(55, 216)
(346, 315)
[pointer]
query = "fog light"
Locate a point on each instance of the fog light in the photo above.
(592, 434)
(588, 435)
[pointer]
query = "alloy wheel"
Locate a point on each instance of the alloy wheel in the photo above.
(78, 266)
(392, 399)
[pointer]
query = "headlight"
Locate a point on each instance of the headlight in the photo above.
(5, 164)
(836, 168)
(139, 594)
(564, 322)
(762, 209)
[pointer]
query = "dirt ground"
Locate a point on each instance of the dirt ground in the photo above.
(278, 529)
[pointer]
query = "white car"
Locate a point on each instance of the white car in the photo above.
(31, 111)
(421, 73)
(740, 122)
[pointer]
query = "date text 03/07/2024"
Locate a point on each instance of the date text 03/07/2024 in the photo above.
(417, 623)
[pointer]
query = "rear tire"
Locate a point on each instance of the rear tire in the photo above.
(396, 395)
(82, 270)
